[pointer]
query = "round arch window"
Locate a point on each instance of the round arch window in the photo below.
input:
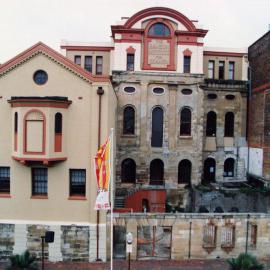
(158, 90)
(40, 77)
(129, 89)
(159, 29)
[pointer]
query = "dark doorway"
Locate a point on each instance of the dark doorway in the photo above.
(145, 206)
(157, 127)
(209, 174)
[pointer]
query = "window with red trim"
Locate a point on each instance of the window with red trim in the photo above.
(58, 132)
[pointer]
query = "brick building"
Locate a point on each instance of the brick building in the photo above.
(259, 122)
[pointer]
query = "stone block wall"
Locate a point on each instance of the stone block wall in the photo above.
(6, 240)
(189, 238)
(72, 242)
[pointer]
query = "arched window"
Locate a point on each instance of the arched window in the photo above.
(211, 124)
(229, 167)
(129, 120)
(156, 172)
(229, 125)
(58, 132)
(128, 171)
(185, 125)
(209, 172)
(157, 127)
(160, 30)
(184, 172)
(15, 131)
(34, 141)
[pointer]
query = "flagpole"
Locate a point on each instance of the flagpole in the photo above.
(112, 179)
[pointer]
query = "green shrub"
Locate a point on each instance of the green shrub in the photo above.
(25, 261)
(245, 262)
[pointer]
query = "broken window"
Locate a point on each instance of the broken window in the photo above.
(184, 172)
(229, 125)
(129, 121)
(229, 167)
(128, 171)
(157, 127)
(185, 125)
(156, 172)
(211, 124)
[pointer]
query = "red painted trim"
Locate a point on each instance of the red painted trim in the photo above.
(58, 142)
(87, 48)
(25, 152)
(41, 47)
(130, 50)
(77, 198)
(196, 33)
(39, 103)
(190, 43)
(170, 40)
(225, 54)
(42, 197)
(187, 52)
(23, 160)
(160, 11)
(261, 87)
(5, 195)
(127, 41)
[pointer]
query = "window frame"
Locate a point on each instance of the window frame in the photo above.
(187, 65)
(229, 124)
(186, 173)
(221, 64)
(71, 192)
(130, 64)
(155, 131)
(35, 182)
(5, 190)
(133, 120)
(231, 70)
(152, 180)
(130, 170)
(165, 28)
(99, 65)
(88, 67)
(78, 57)
(212, 70)
(228, 165)
(185, 123)
(211, 126)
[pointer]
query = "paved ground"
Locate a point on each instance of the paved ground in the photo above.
(144, 265)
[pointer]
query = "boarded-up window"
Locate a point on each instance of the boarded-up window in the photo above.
(209, 237)
(253, 228)
(228, 236)
(34, 125)
(154, 242)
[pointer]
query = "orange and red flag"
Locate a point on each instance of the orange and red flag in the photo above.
(103, 175)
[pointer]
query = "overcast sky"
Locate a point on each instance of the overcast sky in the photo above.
(231, 23)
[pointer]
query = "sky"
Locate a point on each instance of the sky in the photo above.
(231, 23)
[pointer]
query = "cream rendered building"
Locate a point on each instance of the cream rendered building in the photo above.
(49, 108)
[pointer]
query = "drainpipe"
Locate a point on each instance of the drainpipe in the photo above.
(248, 216)
(189, 240)
(247, 123)
(100, 92)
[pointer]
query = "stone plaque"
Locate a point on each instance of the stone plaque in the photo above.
(159, 53)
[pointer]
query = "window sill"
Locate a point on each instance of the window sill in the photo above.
(77, 198)
(42, 197)
(128, 136)
(185, 137)
(5, 195)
